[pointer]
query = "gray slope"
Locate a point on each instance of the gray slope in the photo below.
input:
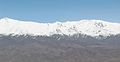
(59, 49)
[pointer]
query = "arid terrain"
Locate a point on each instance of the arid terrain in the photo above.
(59, 49)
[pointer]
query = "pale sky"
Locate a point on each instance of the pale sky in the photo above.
(60, 10)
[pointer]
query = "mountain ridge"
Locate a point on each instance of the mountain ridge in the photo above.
(86, 27)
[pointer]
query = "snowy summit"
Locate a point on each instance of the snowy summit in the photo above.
(86, 27)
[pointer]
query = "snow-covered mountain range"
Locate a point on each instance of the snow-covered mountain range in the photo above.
(71, 41)
(85, 27)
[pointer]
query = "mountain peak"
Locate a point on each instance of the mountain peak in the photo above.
(6, 18)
